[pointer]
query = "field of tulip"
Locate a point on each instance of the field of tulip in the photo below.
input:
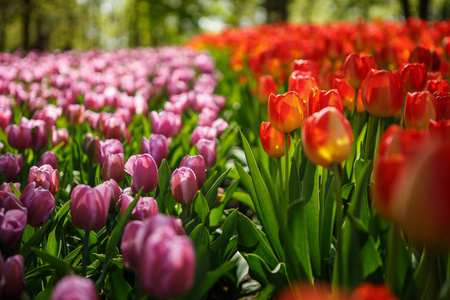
(281, 161)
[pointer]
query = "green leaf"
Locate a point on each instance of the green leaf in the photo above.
(212, 276)
(61, 267)
(117, 285)
(313, 218)
(259, 270)
(164, 175)
(267, 216)
(217, 212)
(211, 196)
(200, 236)
(326, 231)
(201, 207)
(219, 246)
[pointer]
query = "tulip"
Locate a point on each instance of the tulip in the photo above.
(144, 171)
(5, 117)
(91, 145)
(327, 137)
(382, 93)
(287, 111)
(201, 132)
(169, 271)
(8, 200)
(184, 185)
(74, 287)
(443, 102)
(14, 277)
(321, 99)
(113, 167)
(396, 146)
(421, 55)
(346, 91)
(197, 164)
(414, 77)
(75, 114)
(145, 207)
(273, 141)
(39, 203)
(116, 192)
(207, 149)
(307, 66)
(38, 132)
(6, 186)
(113, 127)
(266, 86)
(59, 136)
(420, 107)
(441, 86)
(11, 165)
(131, 245)
(356, 68)
(108, 147)
(421, 195)
(368, 291)
(89, 206)
(220, 125)
(206, 116)
(156, 145)
(12, 225)
(166, 123)
(46, 177)
(305, 291)
(48, 158)
(19, 137)
(302, 83)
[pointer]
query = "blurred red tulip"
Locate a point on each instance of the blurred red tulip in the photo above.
(273, 141)
(321, 99)
(414, 77)
(266, 86)
(356, 68)
(420, 107)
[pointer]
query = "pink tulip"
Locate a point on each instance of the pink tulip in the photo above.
(156, 146)
(197, 164)
(107, 147)
(207, 149)
(46, 177)
(59, 136)
(19, 137)
(220, 125)
(184, 185)
(48, 158)
(39, 203)
(14, 277)
(11, 165)
(113, 167)
(76, 288)
(166, 123)
(91, 145)
(145, 207)
(144, 171)
(5, 117)
(201, 132)
(12, 225)
(116, 192)
(6, 186)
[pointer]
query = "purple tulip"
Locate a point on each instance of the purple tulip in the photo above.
(38, 132)
(113, 167)
(145, 207)
(156, 146)
(201, 132)
(111, 146)
(184, 185)
(144, 171)
(14, 277)
(10, 201)
(166, 123)
(75, 287)
(91, 145)
(207, 149)
(169, 270)
(48, 158)
(6, 186)
(116, 192)
(46, 177)
(197, 164)
(39, 203)
(131, 246)
(75, 114)
(12, 225)
(5, 117)
(89, 206)
(59, 136)
(19, 137)
(11, 165)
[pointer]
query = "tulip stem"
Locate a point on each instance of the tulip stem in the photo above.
(392, 256)
(338, 198)
(85, 253)
(286, 177)
(355, 104)
(280, 175)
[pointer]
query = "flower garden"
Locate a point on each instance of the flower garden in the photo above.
(274, 162)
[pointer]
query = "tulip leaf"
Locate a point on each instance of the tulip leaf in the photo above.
(200, 236)
(211, 196)
(212, 276)
(219, 246)
(61, 267)
(217, 212)
(72, 255)
(247, 181)
(209, 182)
(164, 175)
(313, 217)
(259, 270)
(268, 217)
(310, 182)
(15, 190)
(116, 286)
(201, 207)
(326, 231)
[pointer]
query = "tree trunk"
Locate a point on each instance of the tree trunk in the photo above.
(423, 9)
(276, 10)
(26, 16)
(406, 10)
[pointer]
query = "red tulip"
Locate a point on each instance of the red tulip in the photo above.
(443, 102)
(307, 66)
(346, 91)
(420, 107)
(302, 83)
(266, 86)
(441, 86)
(321, 99)
(356, 68)
(382, 93)
(273, 141)
(327, 137)
(414, 77)
(287, 111)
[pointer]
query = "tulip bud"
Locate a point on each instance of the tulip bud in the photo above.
(184, 185)
(266, 86)
(346, 91)
(46, 177)
(48, 158)
(414, 77)
(201, 132)
(19, 137)
(420, 107)
(89, 206)
(327, 137)
(74, 287)
(273, 141)
(166, 123)
(113, 167)
(169, 271)
(14, 277)
(12, 225)
(207, 149)
(197, 164)
(286, 112)
(356, 68)
(145, 207)
(443, 102)
(156, 146)
(75, 114)
(301, 83)
(91, 145)
(321, 99)
(144, 171)
(382, 93)
(59, 136)
(107, 147)
(116, 192)
(39, 203)
(11, 165)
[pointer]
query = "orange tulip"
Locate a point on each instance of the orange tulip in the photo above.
(382, 93)
(396, 146)
(287, 111)
(356, 68)
(272, 140)
(266, 86)
(321, 99)
(327, 137)
(302, 83)
(420, 107)
(346, 91)
(414, 77)
(307, 65)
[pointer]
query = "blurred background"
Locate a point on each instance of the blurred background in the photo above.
(111, 24)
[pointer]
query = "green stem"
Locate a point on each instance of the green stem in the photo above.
(85, 253)
(355, 102)
(286, 170)
(339, 219)
(370, 138)
(280, 175)
(392, 256)
(380, 132)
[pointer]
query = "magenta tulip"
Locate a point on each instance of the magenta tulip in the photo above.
(107, 147)
(11, 165)
(116, 192)
(14, 277)
(46, 177)
(19, 137)
(166, 123)
(207, 149)
(74, 287)
(48, 158)
(201, 132)
(39, 203)
(197, 164)
(144, 171)
(156, 146)
(131, 245)
(12, 225)
(113, 167)
(145, 207)
(184, 185)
